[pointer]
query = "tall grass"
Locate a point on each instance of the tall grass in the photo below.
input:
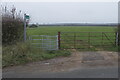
(22, 53)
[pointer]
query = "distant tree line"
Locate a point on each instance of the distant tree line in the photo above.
(79, 24)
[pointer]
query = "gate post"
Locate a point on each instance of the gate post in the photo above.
(58, 40)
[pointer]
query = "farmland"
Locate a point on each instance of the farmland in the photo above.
(26, 54)
(75, 36)
(54, 29)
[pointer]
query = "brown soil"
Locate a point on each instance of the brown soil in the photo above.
(75, 61)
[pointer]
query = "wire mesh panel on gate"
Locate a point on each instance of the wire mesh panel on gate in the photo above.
(45, 42)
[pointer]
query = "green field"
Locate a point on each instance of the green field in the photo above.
(55, 29)
(80, 42)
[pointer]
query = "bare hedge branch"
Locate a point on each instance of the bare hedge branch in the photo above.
(12, 26)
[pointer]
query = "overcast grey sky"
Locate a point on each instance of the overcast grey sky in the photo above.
(67, 12)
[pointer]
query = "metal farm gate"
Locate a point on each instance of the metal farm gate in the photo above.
(75, 40)
(45, 42)
(86, 40)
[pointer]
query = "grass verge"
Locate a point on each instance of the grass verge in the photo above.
(22, 53)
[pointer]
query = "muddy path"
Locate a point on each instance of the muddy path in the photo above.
(75, 61)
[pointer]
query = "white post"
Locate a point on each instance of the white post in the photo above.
(24, 27)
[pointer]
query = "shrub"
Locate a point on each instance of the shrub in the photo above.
(33, 26)
(12, 27)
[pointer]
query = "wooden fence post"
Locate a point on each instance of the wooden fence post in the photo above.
(59, 40)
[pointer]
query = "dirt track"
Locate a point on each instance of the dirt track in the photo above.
(75, 61)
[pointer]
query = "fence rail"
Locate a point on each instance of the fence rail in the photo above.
(80, 40)
(75, 40)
